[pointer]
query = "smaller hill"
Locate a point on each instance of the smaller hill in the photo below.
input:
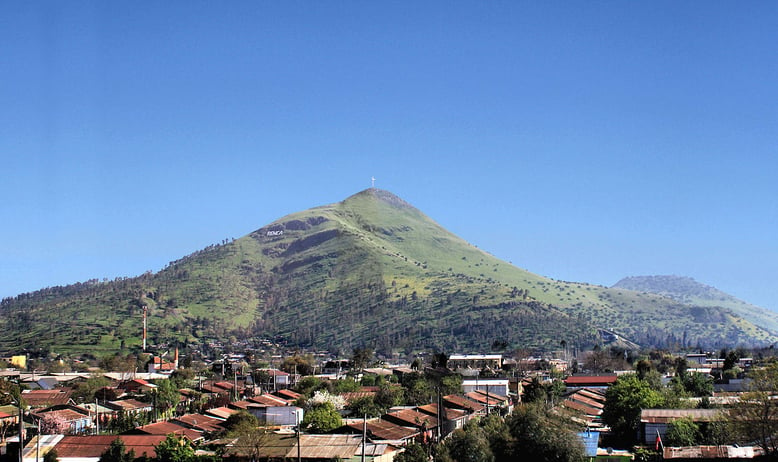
(688, 291)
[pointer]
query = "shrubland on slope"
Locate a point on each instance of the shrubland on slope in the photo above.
(370, 270)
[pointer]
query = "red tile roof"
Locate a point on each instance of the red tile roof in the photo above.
(589, 380)
(95, 445)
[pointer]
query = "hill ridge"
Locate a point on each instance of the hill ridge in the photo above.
(368, 270)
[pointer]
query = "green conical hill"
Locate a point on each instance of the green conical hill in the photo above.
(370, 270)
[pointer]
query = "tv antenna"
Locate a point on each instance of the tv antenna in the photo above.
(372, 179)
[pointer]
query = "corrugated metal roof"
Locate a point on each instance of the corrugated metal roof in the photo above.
(711, 452)
(667, 415)
(95, 445)
(384, 430)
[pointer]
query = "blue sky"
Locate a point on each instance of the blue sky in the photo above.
(584, 141)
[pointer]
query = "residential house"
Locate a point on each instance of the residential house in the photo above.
(493, 362)
(450, 418)
(78, 419)
(460, 402)
(654, 422)
(427, 424)
(130, 406)
(274, 379)
(280, 446)
(590, 381)
(200, 422)
(382, 430)
(491, 401)
(493, 386)
(222, 413)
(167, 428)
(46, 398)
(90, 448)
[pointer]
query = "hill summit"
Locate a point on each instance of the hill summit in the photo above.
(369, 270)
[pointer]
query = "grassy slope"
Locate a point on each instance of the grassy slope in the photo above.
(690, 292)
(371, 269)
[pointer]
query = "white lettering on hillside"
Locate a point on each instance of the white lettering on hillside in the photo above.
(275, 233)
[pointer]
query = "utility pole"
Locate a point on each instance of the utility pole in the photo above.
(364, 436)
(297, 419)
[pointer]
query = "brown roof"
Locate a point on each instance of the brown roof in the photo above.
(668, 415)
(412, 418)
(448, 413)
(319, 447)
(586, 400)
(165, 428)
(129, 404)
(200, 422)
(269, 400)
(384, 430)
(592, 393)
(588, 410)
(95, 445)
(239, 405)
(67, 414)
(355, 395)
(491, 400)
(461, 402)
(221, 412)
(38, 398)
(287, 395)
(589, 380)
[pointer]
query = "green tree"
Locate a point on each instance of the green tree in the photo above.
(414, 452)
(540, 435)
(623, 402)
(239, 422)
(345, 386)
(451, 385)
(175, 449)
(683, 432)
(117, 452)
(322, 418)
(361, 358)
(755, 416)
(301, 364)
(698, 384)
(468, 444)
(307, 385)
(365, 405)
(85, 391)
(388, 395)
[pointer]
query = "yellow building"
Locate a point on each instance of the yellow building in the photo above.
(19, 361)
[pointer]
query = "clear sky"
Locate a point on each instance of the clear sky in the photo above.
(584, 141)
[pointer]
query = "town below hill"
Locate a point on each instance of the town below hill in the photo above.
(247, 405)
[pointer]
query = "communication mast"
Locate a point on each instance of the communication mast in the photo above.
(145, 311)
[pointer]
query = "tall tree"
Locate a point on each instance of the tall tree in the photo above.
(540, 435)
(755, 416)
(623, 402)
(322, 418)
